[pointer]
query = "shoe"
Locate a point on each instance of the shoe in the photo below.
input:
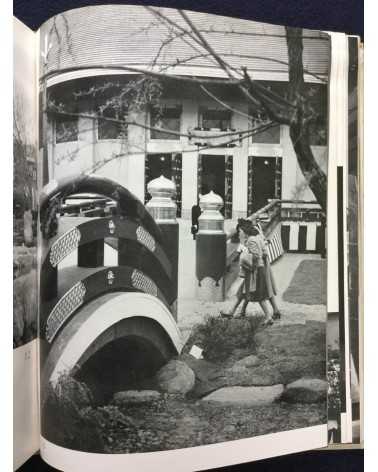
(268, 322)
(224, 314)
(277, 315)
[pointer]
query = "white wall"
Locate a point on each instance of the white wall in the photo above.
(293, 181)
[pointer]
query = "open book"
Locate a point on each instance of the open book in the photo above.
(186, 240)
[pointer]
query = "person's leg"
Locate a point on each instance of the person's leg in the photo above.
(276, 310)
(265, 307)
(231, 311)
(244, 306)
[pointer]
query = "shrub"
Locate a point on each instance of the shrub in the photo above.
(65, 417)
(71, 420)
(219, 337)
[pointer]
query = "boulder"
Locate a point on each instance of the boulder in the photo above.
(249, 361)
(245, 396)
(203, 370)
(175, 377)
(135, 396)
(306, 390)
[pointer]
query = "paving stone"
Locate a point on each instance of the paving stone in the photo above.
(245, 396)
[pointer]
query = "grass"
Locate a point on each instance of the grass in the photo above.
(308, 285)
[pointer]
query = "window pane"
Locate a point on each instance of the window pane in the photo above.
(216, 119)
(168, 118)
(66, 129)
(109, 129)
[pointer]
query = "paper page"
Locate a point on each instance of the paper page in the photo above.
(354, 236)
(25, 348)
(166, 136)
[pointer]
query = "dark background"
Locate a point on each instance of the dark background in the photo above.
(329, 15)
(332, 15)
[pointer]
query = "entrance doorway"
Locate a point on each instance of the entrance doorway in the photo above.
(215, 174)
(170, 166)
(264, 181)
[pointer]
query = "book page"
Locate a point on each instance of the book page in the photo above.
(183, 239)
(25, 353)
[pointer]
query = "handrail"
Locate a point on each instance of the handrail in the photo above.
(264, 209)
(256, 214)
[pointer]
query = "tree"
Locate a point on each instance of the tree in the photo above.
(22, 150)
(293, 107)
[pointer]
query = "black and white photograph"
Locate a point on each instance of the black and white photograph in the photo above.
(24, 193)
(183, 215)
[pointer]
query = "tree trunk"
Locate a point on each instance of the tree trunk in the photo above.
(299, 133)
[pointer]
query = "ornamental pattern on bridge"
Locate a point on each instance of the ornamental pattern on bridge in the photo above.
(144, 283)
(64, 308)
(145, 238)
(64, 246)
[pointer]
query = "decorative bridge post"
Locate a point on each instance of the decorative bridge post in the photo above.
(210, 249)
(163, 209)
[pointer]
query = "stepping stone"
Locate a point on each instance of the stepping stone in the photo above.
(245, 396)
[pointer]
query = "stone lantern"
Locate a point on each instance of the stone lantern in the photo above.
(211, 220)
(210, 249)
(163, 209)
(162, 206)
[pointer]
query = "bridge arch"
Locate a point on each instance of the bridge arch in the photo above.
(117, 315)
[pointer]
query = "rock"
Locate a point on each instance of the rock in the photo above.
(305, 391)
(249, 361)
(238, 369)
(242, 376)
(203, 369)
(204, 388)
(135, 396)
(245, 396)
(175, 377)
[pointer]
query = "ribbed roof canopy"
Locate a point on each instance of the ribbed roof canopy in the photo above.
(126, 35)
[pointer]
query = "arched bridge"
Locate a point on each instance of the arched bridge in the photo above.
(93, 313)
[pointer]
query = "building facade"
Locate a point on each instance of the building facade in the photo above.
(210, 145)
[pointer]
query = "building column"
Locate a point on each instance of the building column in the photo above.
(189, 183)
(240, 183)
(240, 166)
